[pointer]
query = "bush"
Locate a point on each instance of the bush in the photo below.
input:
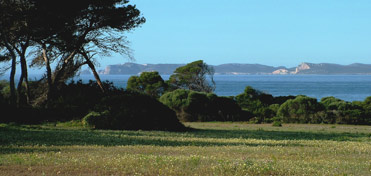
(302, 109)
(127, 110)
(257, 103)
(342, 112)
(277, 124)
(96, 120)
(331, 103)
(197, 106)
(366, 105)
(282, 99)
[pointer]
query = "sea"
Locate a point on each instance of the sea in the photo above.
(345, 87)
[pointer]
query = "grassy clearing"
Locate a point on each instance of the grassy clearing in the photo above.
(213, 149)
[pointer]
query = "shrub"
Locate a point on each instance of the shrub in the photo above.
(277, 124)
(197, 106)
(96, 120)
(342, 112)
(128, 110)
(302, 109)
(282, 99)
(331, 103)
(366, 105)
(257, 103)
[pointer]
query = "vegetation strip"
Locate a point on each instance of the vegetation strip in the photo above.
(214, 148)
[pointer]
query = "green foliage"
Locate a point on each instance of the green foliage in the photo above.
(197, 106)
(257, 103)
(176, 100)
(193, 77)
(302, 109)
(150, 83)
(282, 99)
(96, 120)
(367, 109)
(133, 111)
(274, 108)
(277, 124)
(331, 103)
(342, 112)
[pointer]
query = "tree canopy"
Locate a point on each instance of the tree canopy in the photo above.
(193, 76)
(150, 83)
(66, 33)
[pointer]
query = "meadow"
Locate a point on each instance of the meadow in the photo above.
(212, 148)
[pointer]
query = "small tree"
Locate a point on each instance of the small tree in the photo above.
(193, 76)
(302, 109)
(150, 83)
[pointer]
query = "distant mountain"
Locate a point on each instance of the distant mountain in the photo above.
(327, 68)
(133, 68)
(243, 69)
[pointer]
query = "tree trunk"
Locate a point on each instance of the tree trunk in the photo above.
(13, 98)
(24, 75)
(95, 73)
(48, 73)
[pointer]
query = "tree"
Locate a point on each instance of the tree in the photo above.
(68, 38)
(89, 28)
(14, 15)
(150, 83)
(193, 76)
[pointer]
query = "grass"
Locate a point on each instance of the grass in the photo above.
(214, 148)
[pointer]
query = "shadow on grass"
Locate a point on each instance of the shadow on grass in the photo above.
(13, 136)
(280, 135)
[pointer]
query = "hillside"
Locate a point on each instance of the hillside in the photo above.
(244, 69)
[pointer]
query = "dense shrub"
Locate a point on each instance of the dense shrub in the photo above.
(113, 109)
(342, 112)
(257, 103)
(197, 106)
(367, 109)
(96, 120)
(128, 110)
(331, 103)
(302, 109)
(277, 123)
(282, 99)
(76, 99)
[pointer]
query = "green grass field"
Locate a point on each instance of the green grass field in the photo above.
(212, 149)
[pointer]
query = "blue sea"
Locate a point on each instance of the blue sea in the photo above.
(345, 87)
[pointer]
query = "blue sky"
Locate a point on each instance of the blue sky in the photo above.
(272, 32)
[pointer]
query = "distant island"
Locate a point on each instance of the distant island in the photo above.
(243, 69)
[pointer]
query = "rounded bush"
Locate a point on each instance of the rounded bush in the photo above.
(96, 120)
(129, 110)
(302, 109)
(197, 106)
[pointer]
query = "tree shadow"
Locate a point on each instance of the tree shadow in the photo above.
(15, 139)
(279, 135)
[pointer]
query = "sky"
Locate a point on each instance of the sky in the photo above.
(270, 32)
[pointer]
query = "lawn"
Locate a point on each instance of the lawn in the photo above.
(213, 148)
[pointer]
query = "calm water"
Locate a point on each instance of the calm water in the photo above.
(346, 87)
